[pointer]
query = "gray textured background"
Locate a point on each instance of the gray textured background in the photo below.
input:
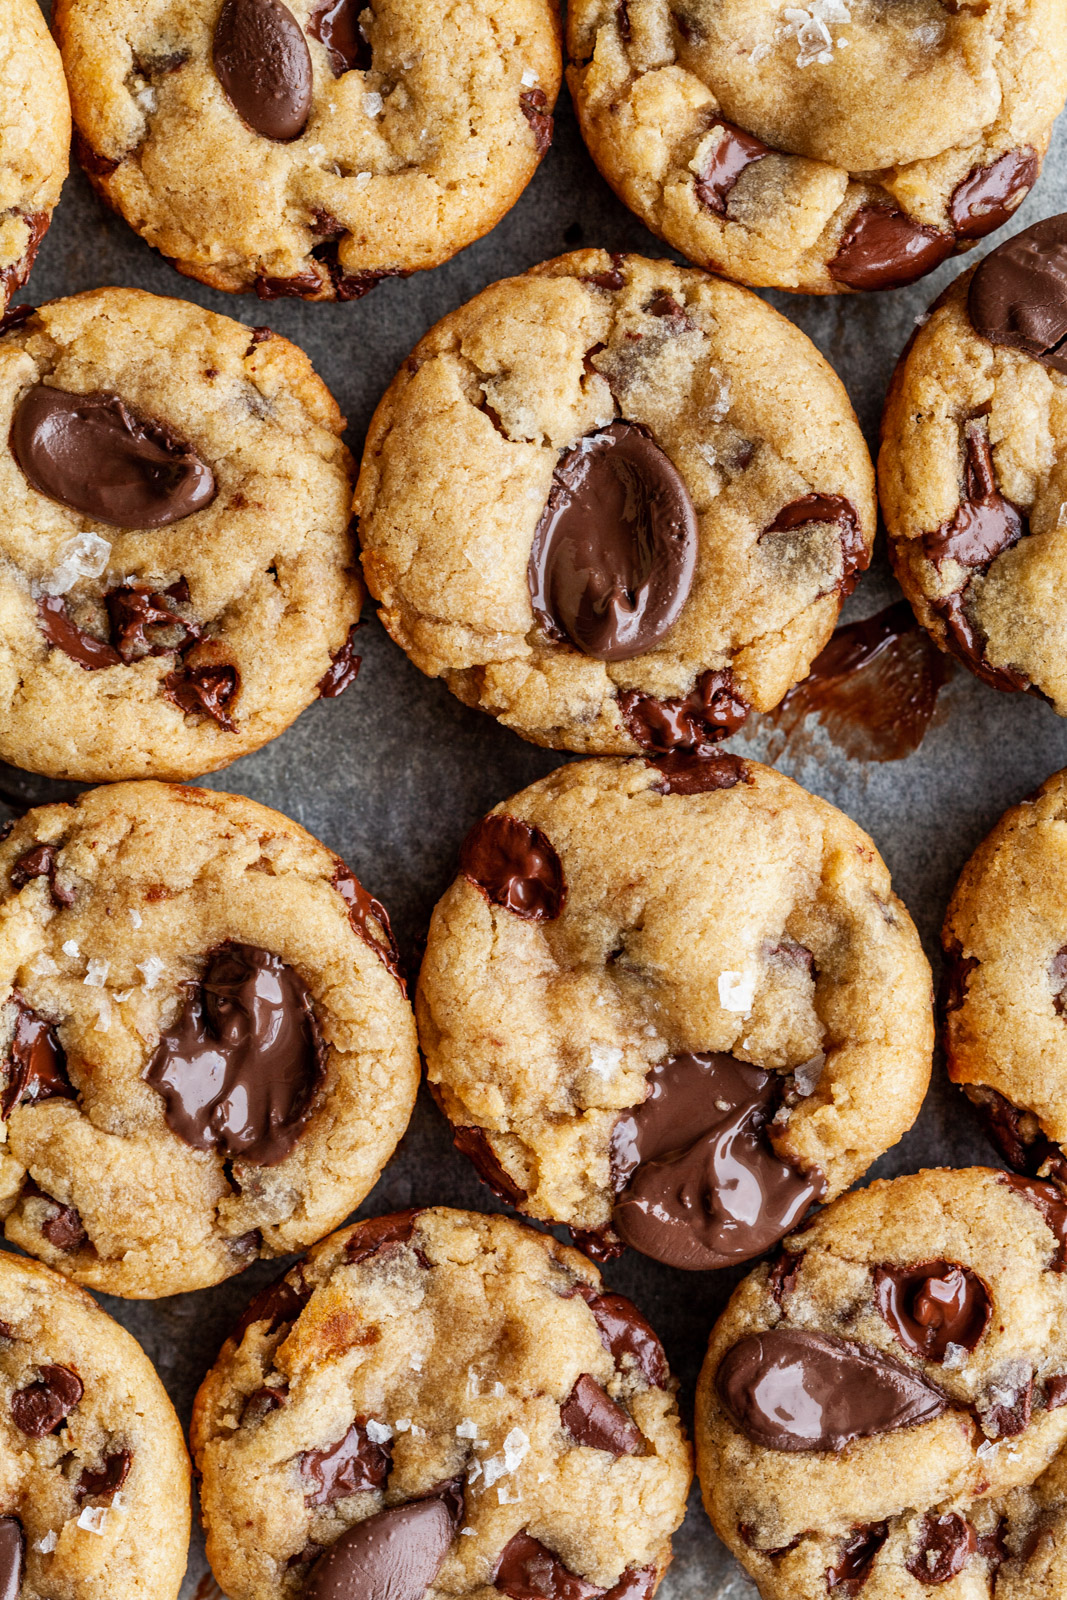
(393, 774)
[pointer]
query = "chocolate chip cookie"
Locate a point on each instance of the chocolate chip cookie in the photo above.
(973, 466)
(827, 146)
(438, 1402)
(882, 1409)
(615, 503)
(206, 1053)
(176, 579)
(314, 148)
(671, 1002)
(95, 1499)
(34, 138)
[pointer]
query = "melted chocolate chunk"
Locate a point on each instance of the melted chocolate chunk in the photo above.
(108, 1479)
(395, 1555)
(40, 862)
(380, 1235)
(362, 910)
(624, 1331)
(15, 275)
(277, 1305)
(473, 1143)
(1056, 1391)
(614, 553)
(14, 317)
(63, 1227)
(993, 1547)
(63, 634)
(528, 1570)
(1017, 1134)
(1018, 296)
(635, 1584)
(12, 1557)
(735, 151)
(790, 1389)
(592, 1418)
(262, 61)
(1050, 1202)
(534, 104)
(945, 1546)
(711, 711)
(835, 509)
(965, 642)
(883, 248)
(37, 1069)
(702, 1185)
(1005, 1416)
(95, 454)
(261, 1402)
(599, 1244)
(854, 1564)
(990, 195)
(240, 1068)
(985, 524)
(132, 611)
(515, 866)
(955, 976)
(350, 1466)
(305, 285)
(933, 1305)
(336, 25)
(343, 669)
(612, 279)
(40, 1407)
(685, 772)
(208, 689)
(783, 1273)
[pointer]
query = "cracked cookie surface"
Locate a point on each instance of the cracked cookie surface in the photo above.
(937, 1456)
(206, 1052)
(827, 147)
(412, 129)
(447, 1359)
(727, 413)
(34, 138)
(95, 1478)
(176, 577)
(698, 938)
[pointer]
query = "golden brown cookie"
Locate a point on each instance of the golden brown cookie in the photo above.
(34, 138)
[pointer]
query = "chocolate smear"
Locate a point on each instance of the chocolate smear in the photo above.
(39, 1408)
(791, 1389)
(395, 1555)
(110, 1477)
(810, 509)
(204, 689)
(534, 106)
(599, 1244)
(474, 1144)
(262, 61)
(701, 1184)
(636, 1583)
(37, 1067)
(97, 455)
(989, 196)
(277, 1305)
(1049, 1200)
(343, 669)
(883, 248)
(362, 910)
(592, 1418)
(735, 151)
(932, 1305)
(12, 1557)
(515, 866)
(381, 1235)
(63, 634)
(985, 524)
(337, 26)
(354, 1464)
(614, 552)
(712, 710)
(40, 862)
(240, 1067)
(624, 1331)
(1018, 296)
(527, 1570)
(945, 1546)
(854, 1564)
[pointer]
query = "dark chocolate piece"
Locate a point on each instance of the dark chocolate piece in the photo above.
(336, 25)
(685, 772)
(884, 248)
(599, 1244)
(394, 1555)
(1006, 1415)
(362, 910)
(110, 1477)
(624, 1331)
(262, 61)
(955, 976)
(1017, 1134)
(343, 669)
(1018, 296)
(735, 151)
(945, 1546)
(12, 1557)
(14, 276)
(712, 710)
(1056, 1391)
(515, 866)
(132, 611)
(989, 196)
(967, 645)
(1049, 1200)
(277, 1305)
(474, 1144)
(380, 1235)
(534, 104)
(37, 1068)
(14, 317)
(932, 1305)
(63, 634)
(592, 1418)
(62, 1227)
(40, 1407)
(835, 509)
(261, 1402)
(783, 1273)
(612, 279)
(40, 862)
(853, 1566)
(355, 1463)
(207, 689)
(527, 1570)
(985, 524)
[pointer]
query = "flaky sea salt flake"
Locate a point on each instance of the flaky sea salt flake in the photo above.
(378, 1432)
(96, 972)
(737, 990)
(84, 556)
(152, 969)
(93, 1519)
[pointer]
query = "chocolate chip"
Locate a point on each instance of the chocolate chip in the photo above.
(1005, 1413)
(993, 1548)
(63, 1228)
(63, 634)
(854, 1564)
(1018, 296)
(712, 710)
(473, 1143)
(336, 25)
(534, 104)
(592, 1418)
(614, 552)
(95, 454)
(262, 61)
(108, 1479)
(1056, 1391)
(783, 1274)
(791, 1389)
(933, 1305)
(206, 688)
(955, 976)
(989, 196)
(1057, 977)
(14, 276)
(15, 317)
(985, 524)
(352, 1465)
(239, 1069)
(666, 306)
(968, 645)
(132, 611)
(343, 668)
(362, 910)
(12, 1557)
(702, 1186)
(810, 509)
(735, 151)
(515, 866)
(40, 862)
(95, 164)
(395, 1555)
(611, 279)
(1050, 1202)
(883, 248)
(277, 1305)
(527, 1570)
(380, 1235)
(37, 1069)
(685, 772)
(40, 1407)
(624, 1331)
(262, 1402)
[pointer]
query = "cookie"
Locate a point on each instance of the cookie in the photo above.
(671, 1002)
(973, 466)
(95, 1498)
(314, 148)
(615, 503)
(205, 1047)
(440, 1403)
(176, 579)
(34, 138)
(881, 1410)
(827, 147)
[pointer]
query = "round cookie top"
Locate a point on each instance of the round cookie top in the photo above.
(659, 979)
(356, 142)
(1005, 984)
(446, 1404)
(827, 147)
(882, 1410)
(615, 503)
(34, 138)
(206, 1050)
(973, 466)
(175, 556)
(95, 1499)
